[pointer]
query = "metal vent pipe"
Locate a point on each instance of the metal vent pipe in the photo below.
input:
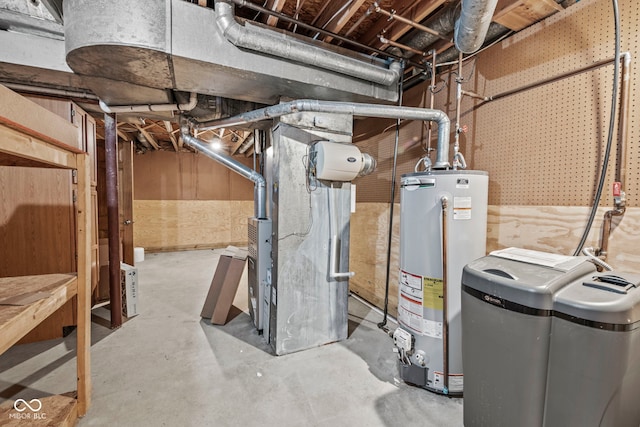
(252, 37)
(354, 109)
(471, 27)
(260, 187)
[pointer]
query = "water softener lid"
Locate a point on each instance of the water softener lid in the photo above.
(605, 299)
(524, 283)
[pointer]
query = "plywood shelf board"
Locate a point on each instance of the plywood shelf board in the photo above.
(17, 321)
(57, 410)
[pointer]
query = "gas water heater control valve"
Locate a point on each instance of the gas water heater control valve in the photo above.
(334, 161)
(403, 340)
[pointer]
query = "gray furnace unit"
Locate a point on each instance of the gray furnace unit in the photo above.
(259, 266)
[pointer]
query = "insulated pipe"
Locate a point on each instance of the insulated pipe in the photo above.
(344, 39)
(193, 101)
(471, 28)
(283, 46)
(354, 109)
(260, 187)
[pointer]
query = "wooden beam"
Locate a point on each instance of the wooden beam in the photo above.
(338, 24)
(122, 134)
(83, 234)
(519, 14)
(148, 137)
(169, 127)
(238, 143)
(276, 6)
(249, 151)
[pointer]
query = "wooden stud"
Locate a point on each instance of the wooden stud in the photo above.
(149, 137)
(83, 231)
(338, 24)
(239, 143)
(169, 128)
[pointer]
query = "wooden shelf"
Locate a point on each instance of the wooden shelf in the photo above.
(17, 320)
(33, 136)
(60, 410)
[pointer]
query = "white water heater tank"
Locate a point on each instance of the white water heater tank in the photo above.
(341, 162)
(422, 328)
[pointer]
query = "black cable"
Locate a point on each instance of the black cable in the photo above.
(612, 121)
(382, 324)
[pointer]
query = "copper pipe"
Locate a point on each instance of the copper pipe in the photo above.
(385, 40)
(621, 160)
(475, 95)
(432, 91)
(392, 15)
(113, 218)
(445, 312)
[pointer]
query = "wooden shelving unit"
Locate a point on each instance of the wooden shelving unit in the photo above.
(34, 137)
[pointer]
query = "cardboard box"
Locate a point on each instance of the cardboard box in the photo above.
(129, 287)
(224, 285)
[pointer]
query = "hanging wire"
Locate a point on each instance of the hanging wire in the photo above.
(382, 325)
(612, 121)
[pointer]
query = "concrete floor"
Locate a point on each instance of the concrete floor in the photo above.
(166, 367)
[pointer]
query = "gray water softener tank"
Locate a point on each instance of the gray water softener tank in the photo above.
(594, 360)
(507, 302)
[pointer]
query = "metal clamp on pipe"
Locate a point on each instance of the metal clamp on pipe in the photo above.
(333, 264)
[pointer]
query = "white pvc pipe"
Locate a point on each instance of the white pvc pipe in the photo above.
(146, 108)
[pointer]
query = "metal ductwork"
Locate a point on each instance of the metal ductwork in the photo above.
(260, 186)
(361, 110)
(471, 27)
(281, 45)
(139, 52)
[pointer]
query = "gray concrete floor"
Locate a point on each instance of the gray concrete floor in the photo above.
(167, 367)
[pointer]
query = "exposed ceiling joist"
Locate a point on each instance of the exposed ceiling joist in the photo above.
(337, 24)
(150, 138)
(169, 128)
(239, 142)
(276, 6)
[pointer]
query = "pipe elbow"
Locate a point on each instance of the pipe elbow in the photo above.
(104, 107)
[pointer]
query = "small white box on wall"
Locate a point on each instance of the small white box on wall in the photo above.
(129, 287)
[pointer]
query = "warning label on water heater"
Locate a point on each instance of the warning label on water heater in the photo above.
(410, 302)
(461, 208)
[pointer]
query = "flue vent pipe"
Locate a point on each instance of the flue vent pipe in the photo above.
(145, 108)
(354, 109)
(473, 24)
(260, 187)
(257, 39)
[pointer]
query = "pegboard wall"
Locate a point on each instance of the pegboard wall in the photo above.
(542, 146)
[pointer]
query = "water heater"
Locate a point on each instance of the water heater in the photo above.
(443, 226)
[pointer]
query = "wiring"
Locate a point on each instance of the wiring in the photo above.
(612, 121)
(309, 163)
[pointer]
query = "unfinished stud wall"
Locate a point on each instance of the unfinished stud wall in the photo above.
(542, 148)
(188, 201)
